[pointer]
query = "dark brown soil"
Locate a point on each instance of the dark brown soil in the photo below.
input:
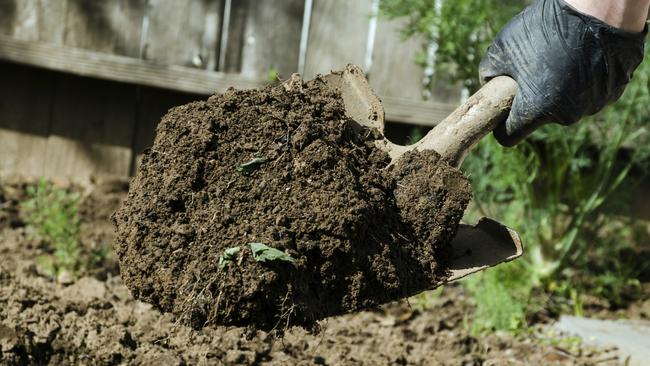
(96, 321)
(361, 233)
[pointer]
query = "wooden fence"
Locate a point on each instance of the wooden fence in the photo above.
(203, 46)
(85, 81)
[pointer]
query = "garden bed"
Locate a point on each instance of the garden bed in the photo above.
(93, 319)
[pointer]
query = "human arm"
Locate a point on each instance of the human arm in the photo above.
(628, 15)
(570, 59)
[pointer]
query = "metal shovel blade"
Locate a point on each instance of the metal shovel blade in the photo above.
(481, 246)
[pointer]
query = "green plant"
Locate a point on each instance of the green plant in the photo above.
(51, 213)
(426, 300)
(459, 31)
(554, 187)
(228, 256)
(261, 253)
(250, 166)
(264, 253)
(417, 133)
(273, 75)
(501, 296)
(550, 337)
(556, 184)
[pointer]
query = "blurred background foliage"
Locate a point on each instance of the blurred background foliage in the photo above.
(566, 190)
(459, 31)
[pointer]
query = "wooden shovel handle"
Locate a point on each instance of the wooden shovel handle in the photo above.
(466, 126)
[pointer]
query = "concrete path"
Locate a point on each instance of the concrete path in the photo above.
(631, 337)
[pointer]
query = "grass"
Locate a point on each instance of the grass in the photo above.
(553, 188)
(52, 214)
(426, 300)
(501, 295)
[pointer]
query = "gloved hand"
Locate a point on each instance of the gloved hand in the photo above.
(568, 65)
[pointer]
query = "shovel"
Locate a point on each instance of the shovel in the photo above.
(475, 247)
(254, 295)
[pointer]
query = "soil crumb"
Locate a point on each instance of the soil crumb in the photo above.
(271, 208)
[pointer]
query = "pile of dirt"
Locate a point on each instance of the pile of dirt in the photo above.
(95, 321)
(285, 169)
(9, 206)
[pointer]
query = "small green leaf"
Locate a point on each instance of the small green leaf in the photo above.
(273, 75)
(249, 167)
(264, 253)
(228, 255)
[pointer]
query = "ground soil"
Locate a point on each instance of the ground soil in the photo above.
(94, 320)
(316, 188)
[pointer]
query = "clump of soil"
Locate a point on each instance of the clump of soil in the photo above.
(288, 169)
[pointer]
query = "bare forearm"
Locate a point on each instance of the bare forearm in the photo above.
(629, 15)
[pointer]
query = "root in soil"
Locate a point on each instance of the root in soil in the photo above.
(338, 229)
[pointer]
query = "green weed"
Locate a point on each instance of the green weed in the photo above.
(461, 29)
(426, 300)
(417, 133)
(501, 296)
(228, 255)
(264, 253)
(553, 188)
(52, 214)
(551, 338)
(250, 166)
(261, 253)
(273, 75)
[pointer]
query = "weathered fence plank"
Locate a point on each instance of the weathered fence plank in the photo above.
(105, 26)
(99, 127)
(397, 78)
(183, 32)
(271, 36)
(234, 37)
(34, 20)
(91, 128)
(25, 96)
(421, 113)
(338, 35)
(119, 68)
(7, 16)
(394, 71)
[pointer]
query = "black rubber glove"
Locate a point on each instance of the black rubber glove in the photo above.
(568, 65)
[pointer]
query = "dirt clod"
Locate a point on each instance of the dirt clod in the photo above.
(286, 169)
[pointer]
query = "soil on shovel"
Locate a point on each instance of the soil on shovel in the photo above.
(270, 208)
